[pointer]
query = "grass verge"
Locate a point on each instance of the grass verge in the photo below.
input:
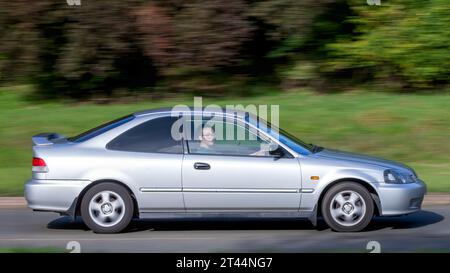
(413, 128)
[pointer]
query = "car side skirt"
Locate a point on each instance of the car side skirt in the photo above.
(226, 214)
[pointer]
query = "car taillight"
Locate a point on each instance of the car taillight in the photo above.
(38, 162)
(39, 165)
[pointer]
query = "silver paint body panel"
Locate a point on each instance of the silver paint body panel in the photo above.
(167, 184)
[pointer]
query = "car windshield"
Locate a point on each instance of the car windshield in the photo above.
(284, 137)
(100, 129)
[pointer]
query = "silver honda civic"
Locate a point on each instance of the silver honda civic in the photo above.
(197, 163)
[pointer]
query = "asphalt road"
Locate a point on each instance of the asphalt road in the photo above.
(425, 231)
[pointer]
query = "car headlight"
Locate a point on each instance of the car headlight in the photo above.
(395, 177)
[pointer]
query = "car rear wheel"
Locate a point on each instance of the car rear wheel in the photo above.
(107, 208)
(347, 207)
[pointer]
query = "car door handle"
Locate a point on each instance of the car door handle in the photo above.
(201, 166)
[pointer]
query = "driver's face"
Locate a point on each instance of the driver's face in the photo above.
(208, 135)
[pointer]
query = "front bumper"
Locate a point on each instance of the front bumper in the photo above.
(399, 199)
(53, 195)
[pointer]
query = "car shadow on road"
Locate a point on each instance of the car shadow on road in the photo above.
(209, 223)
(68, 223)
(416, 220)
(411, 221)
(223, 224)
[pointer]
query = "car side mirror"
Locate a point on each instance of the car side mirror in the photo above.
(278, 152)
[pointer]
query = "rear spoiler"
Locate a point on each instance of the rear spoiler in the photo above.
(45, 138)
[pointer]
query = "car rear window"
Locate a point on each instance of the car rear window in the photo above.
(101, 129)
(153, 136)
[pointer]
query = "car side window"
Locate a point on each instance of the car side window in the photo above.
(226, 138)
(153, 136)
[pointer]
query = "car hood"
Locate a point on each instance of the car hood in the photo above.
(360, 158)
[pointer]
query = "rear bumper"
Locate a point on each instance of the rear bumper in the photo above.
(401, 199)
(53, 195)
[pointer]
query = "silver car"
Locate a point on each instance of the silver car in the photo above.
(139, 166)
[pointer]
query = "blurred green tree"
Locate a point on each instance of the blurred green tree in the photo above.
(190, 41)
(74, 50)
(289, 22)
(404, 41)
(107, 45)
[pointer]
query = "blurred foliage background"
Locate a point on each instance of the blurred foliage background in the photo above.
(346, 74)
(107, 48)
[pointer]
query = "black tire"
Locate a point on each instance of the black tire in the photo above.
(346, 187)
(127, 212)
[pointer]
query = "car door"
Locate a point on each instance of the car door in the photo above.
(233, 178)
(149, 158)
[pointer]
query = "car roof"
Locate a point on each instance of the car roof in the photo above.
(192, 110)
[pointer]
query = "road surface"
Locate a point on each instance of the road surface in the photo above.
(425, 231)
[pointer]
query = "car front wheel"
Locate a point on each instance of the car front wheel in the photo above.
(347, 207)
(107, 208)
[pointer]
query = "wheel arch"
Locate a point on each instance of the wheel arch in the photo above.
(77, 201)
(373, 192)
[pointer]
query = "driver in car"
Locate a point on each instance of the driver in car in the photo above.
(208, 138)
